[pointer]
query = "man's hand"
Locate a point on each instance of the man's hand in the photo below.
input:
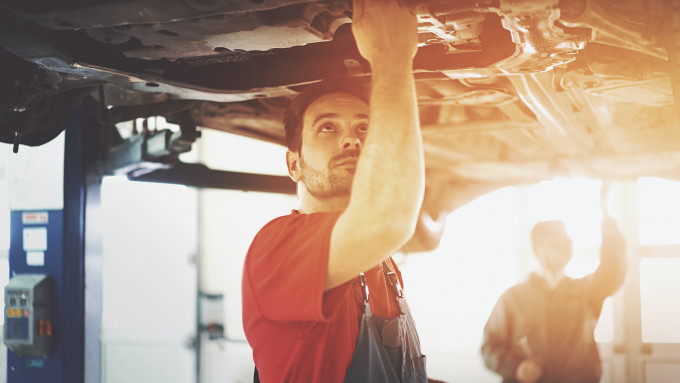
(529, 371)
(385, 32)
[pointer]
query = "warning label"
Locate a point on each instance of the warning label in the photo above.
(34, 217)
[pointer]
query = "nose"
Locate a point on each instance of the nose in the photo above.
(351, 141)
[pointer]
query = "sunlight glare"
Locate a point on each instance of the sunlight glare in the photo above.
(574, 201)
(659, 211)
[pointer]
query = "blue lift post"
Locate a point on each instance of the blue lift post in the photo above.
(76, 311)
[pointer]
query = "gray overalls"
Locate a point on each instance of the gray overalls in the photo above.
(388, 349)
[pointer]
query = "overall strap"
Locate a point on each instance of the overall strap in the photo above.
(365, 294)
(393, 280)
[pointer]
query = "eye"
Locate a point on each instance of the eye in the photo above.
(326, 127)
(363, 128)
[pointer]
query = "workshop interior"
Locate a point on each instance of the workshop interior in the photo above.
(143, 148)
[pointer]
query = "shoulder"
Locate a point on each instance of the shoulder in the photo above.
(579, 283)
(293, 234)
(296, 225)
(530, 282)
(289, 256)
(526, 287)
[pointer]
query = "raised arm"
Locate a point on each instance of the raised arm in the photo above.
(611, 272)
(388, 185)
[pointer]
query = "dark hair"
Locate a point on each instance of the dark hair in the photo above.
(292, 120)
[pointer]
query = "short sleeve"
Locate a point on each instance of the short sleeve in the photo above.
(286, 266)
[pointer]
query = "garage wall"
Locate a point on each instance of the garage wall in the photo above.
(149, 282)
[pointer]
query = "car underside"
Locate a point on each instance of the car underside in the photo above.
(510, 91)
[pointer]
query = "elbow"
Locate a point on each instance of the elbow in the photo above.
(403, 220)
(397, 231)
(394, 222)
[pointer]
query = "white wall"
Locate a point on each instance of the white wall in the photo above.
(149, 282)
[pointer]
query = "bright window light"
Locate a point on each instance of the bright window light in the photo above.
(580, 267)
(227, 151)
(574, 201)
(127, 128)
(659, 287)
(659, 211)
(475, 262)
(604, 331)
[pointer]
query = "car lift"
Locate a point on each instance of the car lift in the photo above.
(64, 306)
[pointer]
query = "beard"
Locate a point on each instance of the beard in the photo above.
(331, 181)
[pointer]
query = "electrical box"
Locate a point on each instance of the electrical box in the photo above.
(28, 323)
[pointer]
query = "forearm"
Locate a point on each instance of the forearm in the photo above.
(501, 359)
(612, 266)
(612, 269)
(498, 350)
(387, 190)
(389, 181)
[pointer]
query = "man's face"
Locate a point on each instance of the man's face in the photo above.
(556, 250)
(333, 133)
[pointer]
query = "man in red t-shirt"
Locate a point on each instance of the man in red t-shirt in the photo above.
(322, 298)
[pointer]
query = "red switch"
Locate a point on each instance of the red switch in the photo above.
(45, 327)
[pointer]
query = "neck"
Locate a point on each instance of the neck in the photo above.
(550, 277)
(311, 204)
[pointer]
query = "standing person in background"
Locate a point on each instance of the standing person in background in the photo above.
(322, 297)
(542, 329)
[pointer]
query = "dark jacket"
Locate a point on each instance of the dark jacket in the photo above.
(553, 325)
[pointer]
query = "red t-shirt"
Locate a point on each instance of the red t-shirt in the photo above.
(298, 332)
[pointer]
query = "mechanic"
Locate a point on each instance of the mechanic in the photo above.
(322, 298)
(542, 329)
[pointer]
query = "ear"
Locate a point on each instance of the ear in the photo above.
(293, 163)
